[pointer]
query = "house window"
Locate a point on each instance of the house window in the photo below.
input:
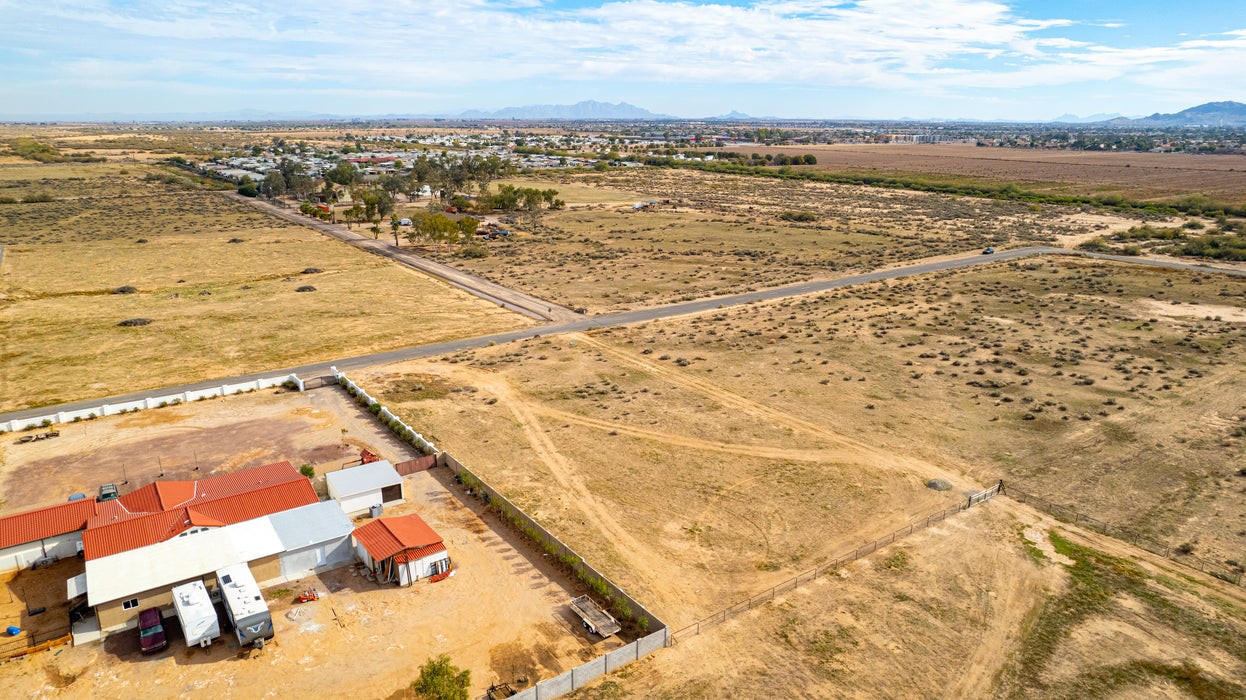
(130, 604)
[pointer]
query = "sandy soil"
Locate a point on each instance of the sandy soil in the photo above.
(189, 441)
(503, 614)
(500, 615)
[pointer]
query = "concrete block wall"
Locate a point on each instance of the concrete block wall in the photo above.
(385, 413)
(110, 409)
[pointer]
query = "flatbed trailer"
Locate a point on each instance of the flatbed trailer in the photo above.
(595, 619)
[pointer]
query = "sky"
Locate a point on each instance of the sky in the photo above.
(870, 59)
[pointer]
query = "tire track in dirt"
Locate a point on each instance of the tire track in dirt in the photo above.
(676, 440)
(565, 473)
(727, 397)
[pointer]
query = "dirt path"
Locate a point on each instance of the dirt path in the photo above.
(569, 478)
(491, 291)
(726, 397)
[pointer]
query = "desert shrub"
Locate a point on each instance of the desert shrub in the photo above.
(473, 251)
(804, 216)
(306, 288)
(127, 289)
(8, 200)
(38, 197)
(236, 240)
(135, 322)
(375, 408)
(312, 270)
(308, 471)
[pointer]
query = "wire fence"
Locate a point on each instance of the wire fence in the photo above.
(34, 642)
(839, 562)
(1178, 554)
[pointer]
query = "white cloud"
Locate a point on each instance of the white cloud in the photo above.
(919, 46)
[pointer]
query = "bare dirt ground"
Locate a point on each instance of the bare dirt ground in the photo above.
(701, 494)
(318, 427)
(504, 613)
(726, 234)
(971, 608)
(500, 615)
(1158, 176)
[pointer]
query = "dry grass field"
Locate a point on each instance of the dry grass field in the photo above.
(703, 459)
(217, 308)
(1144, 176)
(726, 235)
(996, 602)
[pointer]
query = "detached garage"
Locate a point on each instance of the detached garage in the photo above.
(359, 488)
(402, 550)
(316, 538)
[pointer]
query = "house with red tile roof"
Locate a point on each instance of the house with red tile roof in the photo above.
(54, 532)
(401, 550)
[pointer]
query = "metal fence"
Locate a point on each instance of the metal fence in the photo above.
(1177, 554)
(35, 642)
(822, 569)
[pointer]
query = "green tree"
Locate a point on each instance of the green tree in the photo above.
(344, 173)
(385, 203)
(394, 226)
(441, 680)
(274, 184)
(300, 185)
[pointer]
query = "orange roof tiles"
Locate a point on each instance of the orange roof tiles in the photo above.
(40, 523)
(385, 537)
(125, 533)
(167, 495)
(416, 554)
(163, 509)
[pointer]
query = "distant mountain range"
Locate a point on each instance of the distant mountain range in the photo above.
(589, 109)
(1227, 114)
(1074, 119)
(1210, 114)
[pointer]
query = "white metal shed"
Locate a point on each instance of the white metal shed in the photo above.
(359, 488)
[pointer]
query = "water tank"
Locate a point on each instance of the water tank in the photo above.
(376, 510)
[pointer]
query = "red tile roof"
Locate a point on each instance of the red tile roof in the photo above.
(167, 495)
(385, 537)
(175, 506)
(37, 524)
(416, 554)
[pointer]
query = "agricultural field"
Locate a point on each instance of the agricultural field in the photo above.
(1160, 177)
(726, 234)
(219, 282)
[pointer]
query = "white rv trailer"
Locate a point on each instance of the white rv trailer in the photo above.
(247, 611)
(194, 610)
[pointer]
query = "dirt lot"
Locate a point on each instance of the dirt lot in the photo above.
(319, 427)
(996, 602)
(725, 234)
(504, 613)
(700, 495)
(218, 281)
(499, 615)
(1147, 176)
(1050, 374)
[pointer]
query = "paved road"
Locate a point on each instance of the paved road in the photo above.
(514, 300)
(582, 323)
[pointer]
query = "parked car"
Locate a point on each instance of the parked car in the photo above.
(988, 251)
(151, 637)
(108, 492)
